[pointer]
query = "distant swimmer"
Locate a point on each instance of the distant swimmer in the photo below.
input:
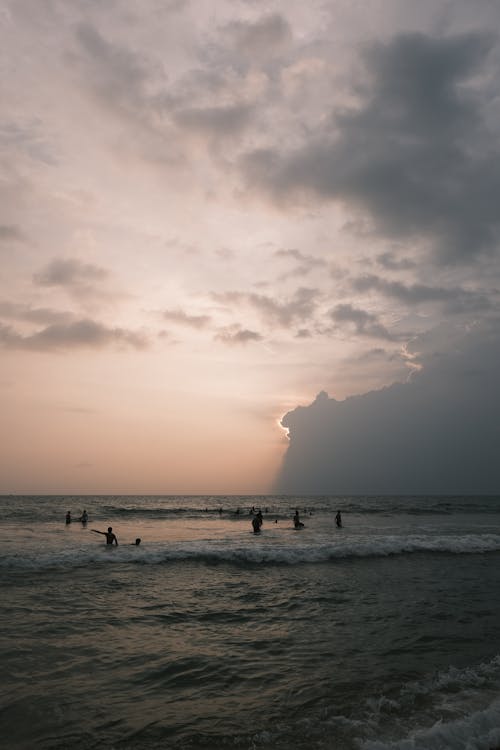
(110, 537)
(84, 517)
(68, 517)
(136, 543)
(296, 521)
(256, 525)
(338, 519)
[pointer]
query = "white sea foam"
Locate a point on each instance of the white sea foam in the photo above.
(462, 712)
(477, 731)
(254, 551)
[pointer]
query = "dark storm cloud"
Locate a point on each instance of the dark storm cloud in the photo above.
(79, 334)
(365, 323)
(454, 299)
(69, 272)
(417, 153)
(234, 335)
(299, 307)
(437, 433)
(182, 318)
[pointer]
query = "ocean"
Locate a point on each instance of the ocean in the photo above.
(383, 634)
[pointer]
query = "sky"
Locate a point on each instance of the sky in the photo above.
(249, 246)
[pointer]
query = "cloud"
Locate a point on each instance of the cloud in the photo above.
(9, 232)
(365, 323)
(305, 263)
(41, 315)
(437, 433)
(221, 121)
(392, 263)
(182, 318)
(417, 154)
(299, 307)
(163, 110)
(28, 138)
(118, 75)
(69, 272)
(260, 39)
(80, 334)
(455, 299)
(234, 335)
(86, 283)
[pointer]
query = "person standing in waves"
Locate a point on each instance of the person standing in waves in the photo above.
(110, 537)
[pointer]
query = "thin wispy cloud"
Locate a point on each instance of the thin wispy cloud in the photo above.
(235, 335)
(70, 272)
(182, 318)
(80, 334)
(299, 307)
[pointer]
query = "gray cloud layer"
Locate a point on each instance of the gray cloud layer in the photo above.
(417, 154)
(365, 323)
(438, 433)
(454, 299)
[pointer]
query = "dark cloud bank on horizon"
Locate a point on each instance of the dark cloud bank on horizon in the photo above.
(420, 155)
(436, 434)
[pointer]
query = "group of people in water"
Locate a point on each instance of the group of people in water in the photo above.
(111, 538)
(83, 518)
(257, 520)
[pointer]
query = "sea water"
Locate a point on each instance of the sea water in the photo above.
(381, 634)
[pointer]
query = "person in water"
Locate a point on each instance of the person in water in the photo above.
(84, 517)
(68, 517)
(256, 525)
(110, 537)
(338, 519)
(259, 517)
(296, 521)
(137, 542)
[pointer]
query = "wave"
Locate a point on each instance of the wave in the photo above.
(249, 553)
(448, 721)
(450, 710)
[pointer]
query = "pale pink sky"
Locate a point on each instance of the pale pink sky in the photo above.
(190, 244)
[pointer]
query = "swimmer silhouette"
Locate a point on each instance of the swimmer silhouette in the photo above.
(256, 525)
(296, 521)
(110, 537)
